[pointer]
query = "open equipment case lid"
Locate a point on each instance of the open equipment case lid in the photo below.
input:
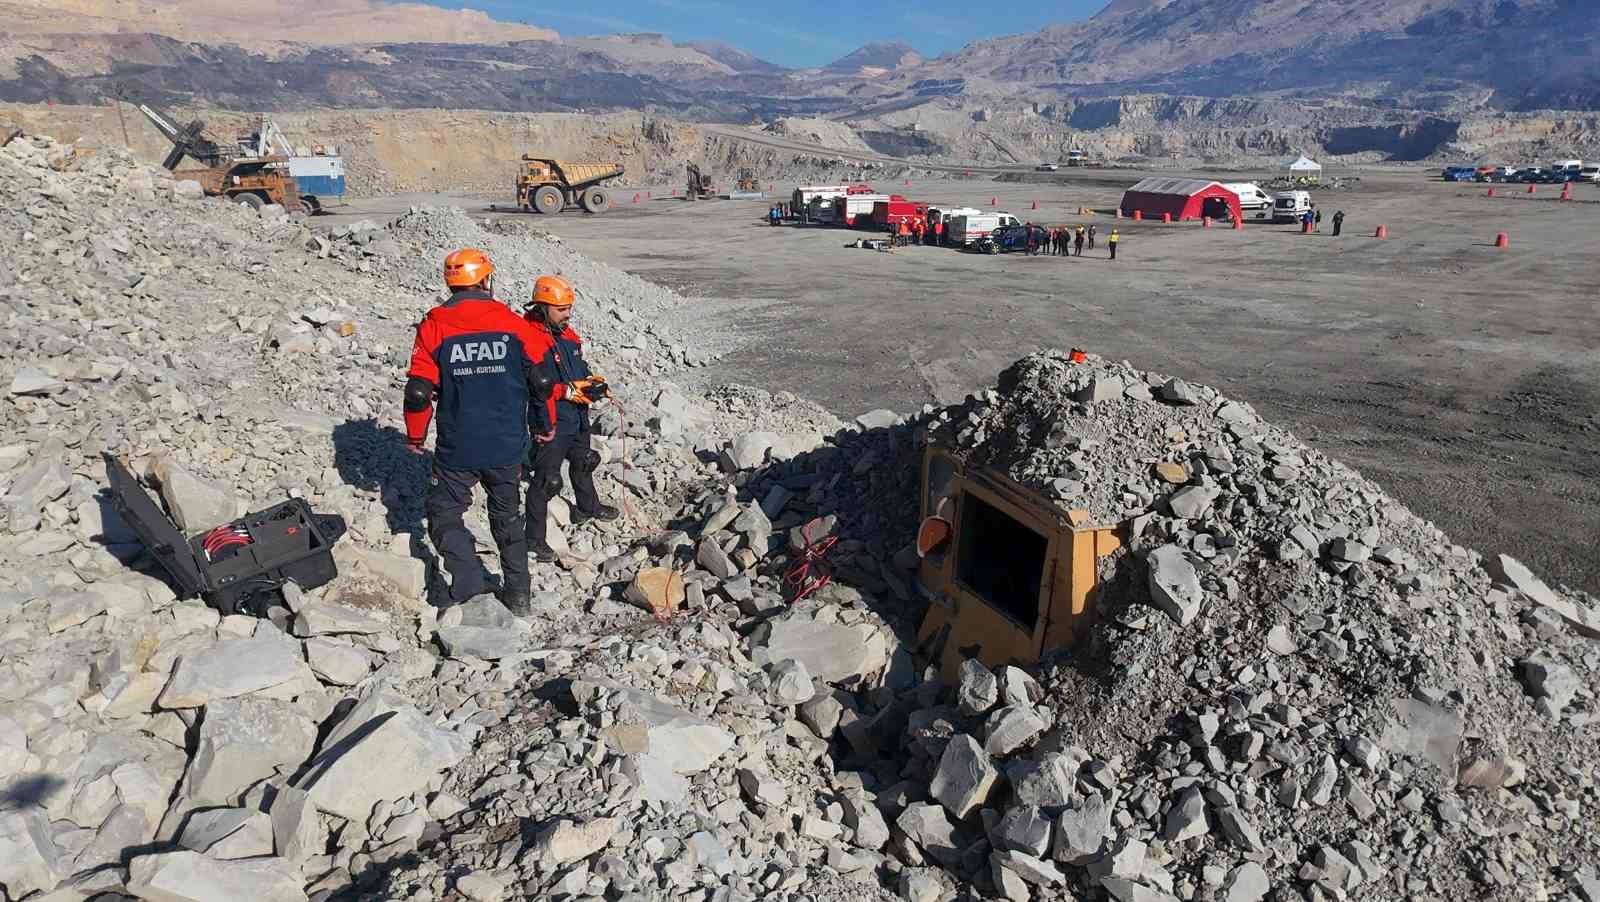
(154, 528)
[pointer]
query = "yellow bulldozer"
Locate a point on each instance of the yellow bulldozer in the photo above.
(548, 185)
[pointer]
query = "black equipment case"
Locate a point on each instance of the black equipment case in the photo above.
(237, 567)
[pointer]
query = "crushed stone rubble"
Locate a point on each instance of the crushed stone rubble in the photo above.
(1296, 689)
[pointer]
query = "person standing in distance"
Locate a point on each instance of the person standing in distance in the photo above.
(474, 356)
(560, 422)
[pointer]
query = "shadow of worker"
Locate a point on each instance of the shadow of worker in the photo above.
(373, 458)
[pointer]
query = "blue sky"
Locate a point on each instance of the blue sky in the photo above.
(796, 33)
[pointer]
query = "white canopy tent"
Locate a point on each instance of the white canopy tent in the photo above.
(1305, 168)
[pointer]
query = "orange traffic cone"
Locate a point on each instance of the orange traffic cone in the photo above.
(908, 183)
(1491, 192)
(1532, 189)
(636, 198)
(1138, 215)
(1238, 225)
(1383, 232)
(1166, 217)
(1035, 206)
(994, 201)
(1502, 240)
(1566, 191)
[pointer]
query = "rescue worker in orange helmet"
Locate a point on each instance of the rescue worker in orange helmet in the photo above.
(560, 424)
(476, 357)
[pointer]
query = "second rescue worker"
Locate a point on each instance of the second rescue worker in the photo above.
(560, 426)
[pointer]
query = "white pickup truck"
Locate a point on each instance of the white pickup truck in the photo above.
(968, 228)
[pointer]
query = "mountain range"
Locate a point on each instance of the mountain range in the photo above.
(1378, 63)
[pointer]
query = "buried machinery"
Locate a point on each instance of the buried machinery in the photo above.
(1008, 575)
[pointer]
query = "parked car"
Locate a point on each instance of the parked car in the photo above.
(1007, 239)
(1460, 173)
(1047, 167)
(1590, 173)
(1528, 175)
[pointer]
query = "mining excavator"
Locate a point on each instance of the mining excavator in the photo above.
(253, 181)
(699, 187)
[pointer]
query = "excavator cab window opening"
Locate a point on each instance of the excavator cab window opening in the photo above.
(1001, 560)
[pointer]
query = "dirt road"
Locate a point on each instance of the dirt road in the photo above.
(1463, 378)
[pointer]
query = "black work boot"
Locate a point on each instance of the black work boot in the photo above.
(517, 600)
(542, 552)
(604, 513)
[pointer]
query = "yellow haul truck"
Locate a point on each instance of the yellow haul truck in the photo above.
(1008, 575)
(546, 185)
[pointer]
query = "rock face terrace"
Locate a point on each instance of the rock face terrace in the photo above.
(1296, 688)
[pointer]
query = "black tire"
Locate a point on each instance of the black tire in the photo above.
(595, 200)
(253, 201)
(548, 199)
(312, 205)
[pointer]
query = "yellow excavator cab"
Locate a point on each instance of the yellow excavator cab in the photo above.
(1008, 574)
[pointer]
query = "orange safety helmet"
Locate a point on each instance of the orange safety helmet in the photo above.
(553, 291)
(466, 268)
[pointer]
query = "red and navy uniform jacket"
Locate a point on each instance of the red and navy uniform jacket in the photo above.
(477, 353)
(560, 357)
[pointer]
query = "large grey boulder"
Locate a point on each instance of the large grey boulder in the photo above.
(831, 652)
(243, 741)
(1082, 832)
(567, 841)
(384, 749)
(1584, 621)
(44, 480)
(685, 742)
(929, 827)
(481, 628)
(1193, 501)
(748, 451)
(29, 858)
(1010, 728)
(192, 877)
(864, 817)
(978, 690)
(236, 667)
(195, 504)
(711, 557)
(297, 830)
(1246, 883)
(1423, 730)
(1024, 828)
(1550, 679)
(328, 619)
(1174, 584)
(228, 833)
(964, 777)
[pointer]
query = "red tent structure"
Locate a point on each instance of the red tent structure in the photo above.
(1183, 198)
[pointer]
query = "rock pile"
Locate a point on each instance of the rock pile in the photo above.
(1296, 689)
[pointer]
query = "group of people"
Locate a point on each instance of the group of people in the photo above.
(509, 397)
(1311, 220)
(912, 230)
(1068, 241)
